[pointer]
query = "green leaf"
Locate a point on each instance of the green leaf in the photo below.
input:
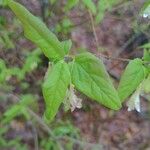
(102, 7)
(36, 31)
(17, 109)
(146, 46)
(146, 9)
(7, 40)
(146, 56)
(70, 4)
(66, 46)
(146, 84)
(133, 75)
(52, 1)
(3, 71)
(55, 87)
(11, 113)
(3, 3)
(90, 77)
(90, 5)
(32, 61)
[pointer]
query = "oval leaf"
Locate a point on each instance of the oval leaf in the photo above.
(146, 56)
(36, 31)
(133, 75)
(66, 46)
(90, 77)
(54, 88)
(146, 84)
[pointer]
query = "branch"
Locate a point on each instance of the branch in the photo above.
(97, 43)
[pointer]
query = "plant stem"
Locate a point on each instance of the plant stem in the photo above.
(97, 43)
(47, 129)
(94, 31)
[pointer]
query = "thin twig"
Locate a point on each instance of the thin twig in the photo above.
(94, 31)
(113, 58)
(40, 121)
(36, 145)
(97, 43)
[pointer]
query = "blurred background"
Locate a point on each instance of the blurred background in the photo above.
(115, 28)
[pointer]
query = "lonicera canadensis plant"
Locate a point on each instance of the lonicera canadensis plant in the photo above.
(84, 71)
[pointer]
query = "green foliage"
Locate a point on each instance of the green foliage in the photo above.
(2, 2)
(146, 56)
(61, 129)
(48, 144)
(70, 4)
(10, 144)
(3, 71)
(90, 77)
(55, 87)
(66, 45)
(5, 39)
(53, 1)
(103, 6)
(146, 84)
(31, 62)
(5, 36)
(37, 32)
(133, 75)
(67, 128)
(146, 46)
(90, 5)
(85, 71)
(146, 9)
(64, 26)
(20, 108)
(13, 111)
